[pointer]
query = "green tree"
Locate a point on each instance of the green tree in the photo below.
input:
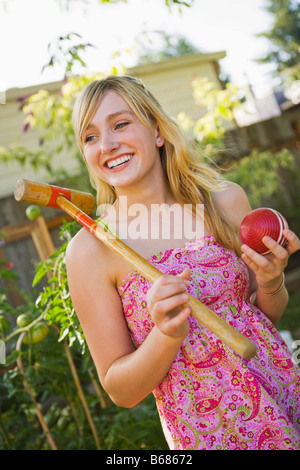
(284, 37)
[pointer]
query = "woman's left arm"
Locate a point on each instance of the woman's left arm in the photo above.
(266, 272)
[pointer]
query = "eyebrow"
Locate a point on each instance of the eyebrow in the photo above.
(111, 116)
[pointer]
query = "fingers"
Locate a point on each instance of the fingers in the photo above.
(167, 287)
(277, 259)
(293, 244)
(166, 301)
(268, 268)
(170, 303)
(185, 274)
(175, 326)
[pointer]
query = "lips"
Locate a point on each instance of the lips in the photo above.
(119, 161)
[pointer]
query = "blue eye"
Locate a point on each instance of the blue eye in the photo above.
(89, 138)
(121, 124)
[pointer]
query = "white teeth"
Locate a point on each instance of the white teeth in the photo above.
(118, 161)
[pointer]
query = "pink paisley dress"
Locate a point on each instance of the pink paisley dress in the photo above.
(211, 397)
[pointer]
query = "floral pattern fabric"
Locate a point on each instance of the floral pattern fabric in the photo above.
(211, 397)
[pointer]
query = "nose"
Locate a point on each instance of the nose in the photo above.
(108, 142)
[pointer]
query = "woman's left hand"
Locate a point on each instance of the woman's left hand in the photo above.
(269, 268)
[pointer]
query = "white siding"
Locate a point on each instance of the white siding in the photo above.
(11, 132)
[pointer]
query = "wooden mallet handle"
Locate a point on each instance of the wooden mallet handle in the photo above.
(233, 338)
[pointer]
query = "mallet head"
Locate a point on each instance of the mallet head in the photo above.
(44, 194)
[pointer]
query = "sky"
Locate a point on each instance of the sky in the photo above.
(28, 26)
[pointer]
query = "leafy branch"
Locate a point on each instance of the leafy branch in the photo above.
(56, 297)
(26, 328)
(61, 52)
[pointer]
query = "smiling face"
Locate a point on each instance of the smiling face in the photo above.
(118, 147)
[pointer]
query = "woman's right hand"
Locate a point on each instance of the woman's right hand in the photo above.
(166, 303)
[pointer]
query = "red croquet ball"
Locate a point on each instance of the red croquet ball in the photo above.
(259, 223)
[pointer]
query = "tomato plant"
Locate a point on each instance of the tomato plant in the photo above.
(60, 378)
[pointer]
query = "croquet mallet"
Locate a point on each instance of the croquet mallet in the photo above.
(78, 205)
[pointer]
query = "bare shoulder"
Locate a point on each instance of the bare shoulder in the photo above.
(87, 265)
(83, 245)
(232, 193)
(86, 251)
(232, 202)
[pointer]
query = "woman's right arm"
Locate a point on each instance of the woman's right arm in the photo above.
(127, 374)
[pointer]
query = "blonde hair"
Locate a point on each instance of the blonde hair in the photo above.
(190, 180)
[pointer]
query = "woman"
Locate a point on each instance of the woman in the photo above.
(143, 338)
